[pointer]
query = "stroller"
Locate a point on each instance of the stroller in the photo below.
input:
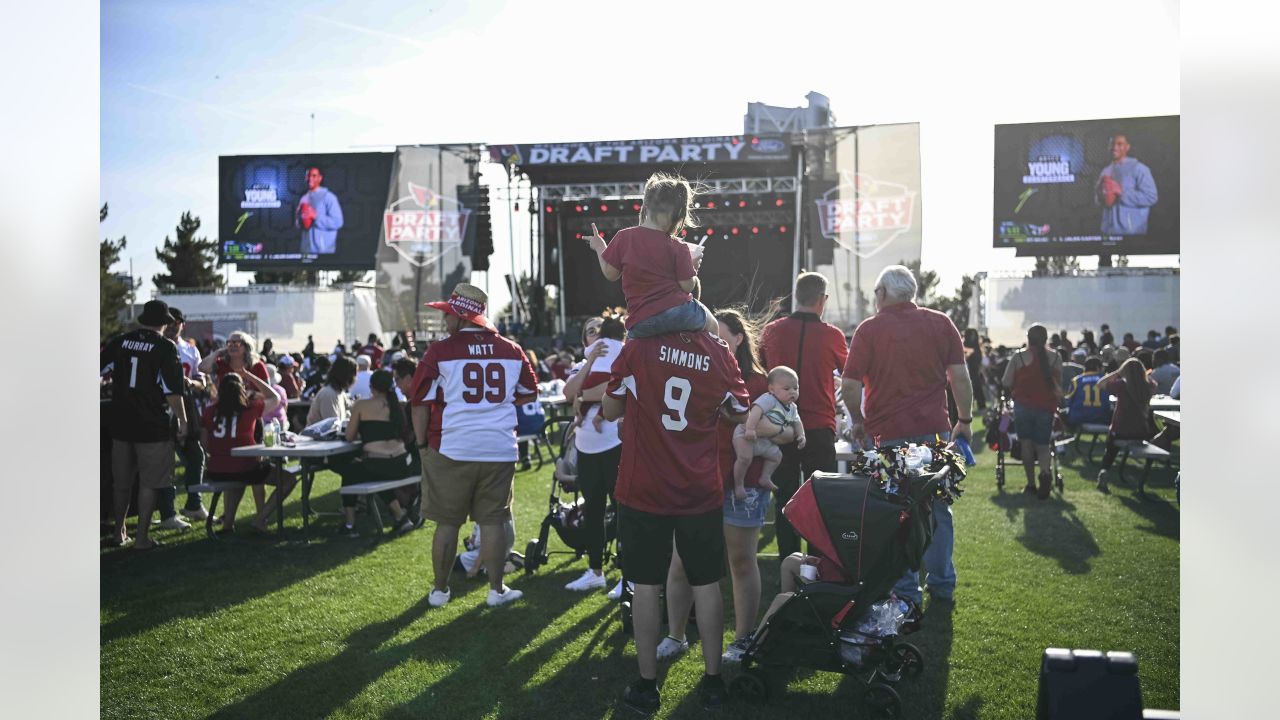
(874, 531)
(1002, 438)
(567, 517)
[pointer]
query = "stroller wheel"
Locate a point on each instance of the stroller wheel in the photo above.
(907, 660)
(999, 477)
(751, 687)
(882, 701)
(1058, 481)
(625, 609)
(532, 556)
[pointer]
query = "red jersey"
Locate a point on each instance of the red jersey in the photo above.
(474, 378)
(677, 382)
(816, 351)
(757, 385)
(222, 366)
(1030, 388)
(375, 354)
(652, 263)
(226, 434)
(901, 356)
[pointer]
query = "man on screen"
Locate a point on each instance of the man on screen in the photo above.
(319, 216)
(1126, 191)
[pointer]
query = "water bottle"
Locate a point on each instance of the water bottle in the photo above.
(966, 451)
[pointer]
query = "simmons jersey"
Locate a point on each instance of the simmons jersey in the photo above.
(677, 383)
(144, 369)
(1086, 403)
(474, 377)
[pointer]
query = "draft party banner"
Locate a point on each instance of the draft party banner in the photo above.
(718, 149)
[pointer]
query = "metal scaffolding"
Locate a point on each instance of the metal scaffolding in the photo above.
(620, 190)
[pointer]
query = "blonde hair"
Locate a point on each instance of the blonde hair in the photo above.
(782, 371)
(669, 197)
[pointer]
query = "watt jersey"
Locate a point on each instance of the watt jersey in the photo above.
(144, 369)
(474, 378)
(674, 386)
(1087, 403)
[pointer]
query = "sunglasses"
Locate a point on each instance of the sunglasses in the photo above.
(234, 342)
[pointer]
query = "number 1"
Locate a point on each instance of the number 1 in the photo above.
(133, 372)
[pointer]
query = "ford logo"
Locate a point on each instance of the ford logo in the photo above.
(770, 145)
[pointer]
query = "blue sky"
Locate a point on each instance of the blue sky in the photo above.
(184, 82)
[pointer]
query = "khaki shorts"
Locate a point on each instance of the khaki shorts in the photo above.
(152, 462)
(454, 489)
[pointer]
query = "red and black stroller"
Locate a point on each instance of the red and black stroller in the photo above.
(1002, 438)
(874, 524)
(567, 517)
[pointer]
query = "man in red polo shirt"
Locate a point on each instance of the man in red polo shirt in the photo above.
(669, 484)
(904, 357)
(816, 350)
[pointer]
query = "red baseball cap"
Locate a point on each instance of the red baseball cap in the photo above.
(467, 302)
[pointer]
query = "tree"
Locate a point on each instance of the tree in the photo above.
(114, 295)
(926, 281)
(349, 276)
(191, 261)
(1057, 265)
(956, 306)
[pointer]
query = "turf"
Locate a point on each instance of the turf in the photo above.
(338, 627)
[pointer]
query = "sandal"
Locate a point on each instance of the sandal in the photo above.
(143, 548)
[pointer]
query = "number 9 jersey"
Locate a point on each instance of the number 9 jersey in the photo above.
(676, 384)
(474, 376)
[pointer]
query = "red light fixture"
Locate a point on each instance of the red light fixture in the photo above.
(684, 233)
(733, 141)
(755, 230)
(577, 236)
(577, 208)
(604, 208)
(755, 141)
(734, 231)
(782, 228)
(778, 202)
(550, 209)
(710, 230)
(742, 203)
(711, 204)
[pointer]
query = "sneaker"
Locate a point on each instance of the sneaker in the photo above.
(736, 649)
(199, 514)
(502, 598)
(672, 648)
(589, 581)
(711, 692)
(1102, 481)
(616, 592)
(643, 701)
(406, 525)
(439, 599)
(348, 531)
(173, 522)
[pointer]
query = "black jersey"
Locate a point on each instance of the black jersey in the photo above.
(144, 369)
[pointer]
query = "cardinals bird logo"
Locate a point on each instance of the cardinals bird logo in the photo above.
(424, 225)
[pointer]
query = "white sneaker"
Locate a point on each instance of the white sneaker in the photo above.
(502, 598)
(439, 599)
(672, 648)
(199, 514)
(616, 592)
(589, 581)
(175, 523)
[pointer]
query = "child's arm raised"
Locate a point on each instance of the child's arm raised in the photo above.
(597, 243)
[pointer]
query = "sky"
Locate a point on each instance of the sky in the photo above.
(185, 81)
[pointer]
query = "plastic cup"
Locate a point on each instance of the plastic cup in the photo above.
(695, 252)
(809, 572)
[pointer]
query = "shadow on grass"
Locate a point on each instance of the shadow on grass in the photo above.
(155, 587)
(1163, 517)
(1052, 529)
(478, 644)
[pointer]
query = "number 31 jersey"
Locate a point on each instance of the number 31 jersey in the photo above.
(474, 378)
(674, 386)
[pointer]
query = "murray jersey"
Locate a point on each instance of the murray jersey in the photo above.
(674, 385)
(144, 369)
(474, 379)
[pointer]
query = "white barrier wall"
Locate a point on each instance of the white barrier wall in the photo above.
(1129, 301)
(289, 315)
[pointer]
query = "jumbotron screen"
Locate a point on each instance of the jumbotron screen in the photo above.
(316, 212)
(1088, 187)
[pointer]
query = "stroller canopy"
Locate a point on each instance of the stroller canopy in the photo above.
(857, 525)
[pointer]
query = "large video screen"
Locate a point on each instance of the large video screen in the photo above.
(1088, 187)
(318, 212)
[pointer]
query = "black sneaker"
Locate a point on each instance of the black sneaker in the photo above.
(642, 701)
(711, 692)
(348, 531)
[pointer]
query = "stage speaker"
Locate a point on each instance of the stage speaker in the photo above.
(1088, 685)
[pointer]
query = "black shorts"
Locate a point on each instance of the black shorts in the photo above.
(645, 540)
(256, 476)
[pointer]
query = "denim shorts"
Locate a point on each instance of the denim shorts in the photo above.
(749, 513)
(689, 317)
(1033, 424)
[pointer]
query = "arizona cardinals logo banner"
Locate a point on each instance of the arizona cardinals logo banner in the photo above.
(863, 210)
(427, 232)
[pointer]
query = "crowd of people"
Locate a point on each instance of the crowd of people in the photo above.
(697, 423)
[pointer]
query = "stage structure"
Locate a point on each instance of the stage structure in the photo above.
(842, 201)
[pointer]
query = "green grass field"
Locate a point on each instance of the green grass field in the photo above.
(274, 628)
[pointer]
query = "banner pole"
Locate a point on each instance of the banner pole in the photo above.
(564, 327)
(795, 260)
